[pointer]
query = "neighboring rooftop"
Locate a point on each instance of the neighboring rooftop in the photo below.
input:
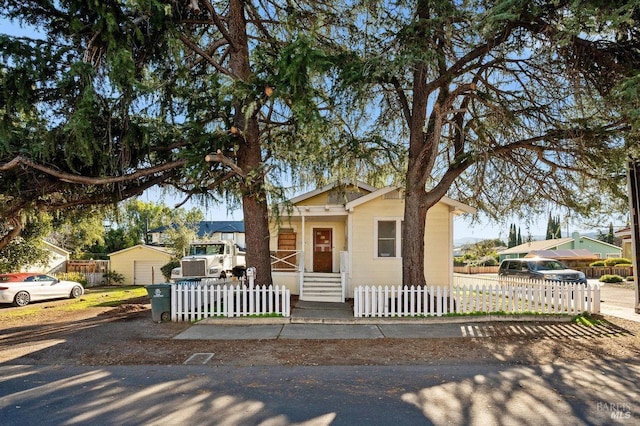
(208, 227)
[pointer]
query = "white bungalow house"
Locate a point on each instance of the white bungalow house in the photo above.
(56, 262)
(326, 242)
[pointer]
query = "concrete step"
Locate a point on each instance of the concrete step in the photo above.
(332, 298)
(322, 287)
(322, 293)
(315, 278)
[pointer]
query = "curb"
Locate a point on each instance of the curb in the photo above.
(386, 320)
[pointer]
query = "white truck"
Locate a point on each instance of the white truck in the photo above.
(211, 259)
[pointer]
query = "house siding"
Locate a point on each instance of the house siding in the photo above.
(366, 269)
(627, 249)
(370, 270)
(438, 252)
(575, 242)
(601, 249)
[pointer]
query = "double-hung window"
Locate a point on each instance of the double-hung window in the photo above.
(388, 238)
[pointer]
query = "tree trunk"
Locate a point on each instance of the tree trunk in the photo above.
(415, 211)
(415, 215)
(254, 198)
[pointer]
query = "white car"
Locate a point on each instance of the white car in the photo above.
(23, 287)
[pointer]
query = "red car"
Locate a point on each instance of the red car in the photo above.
(24, 287)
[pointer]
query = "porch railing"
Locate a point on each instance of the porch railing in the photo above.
(286, 260)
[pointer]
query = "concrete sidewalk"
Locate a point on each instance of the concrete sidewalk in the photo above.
(325, 321)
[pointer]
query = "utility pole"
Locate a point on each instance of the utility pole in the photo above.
(634, 208)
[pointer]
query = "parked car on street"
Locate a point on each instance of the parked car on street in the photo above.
(23, 287)
(540, 268)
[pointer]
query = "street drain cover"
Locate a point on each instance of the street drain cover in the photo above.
(199, 358)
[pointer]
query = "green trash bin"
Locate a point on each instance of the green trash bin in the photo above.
(160, 295)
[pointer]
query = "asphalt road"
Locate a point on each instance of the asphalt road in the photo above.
(589, 392)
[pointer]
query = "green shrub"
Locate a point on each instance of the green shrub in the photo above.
(488, 261)
(166, 269)
(113, 277)
(597, 263)
(630, 278)
(614, 261)
(611, 279)
(73, 276)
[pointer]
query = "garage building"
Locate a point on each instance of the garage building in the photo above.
(140, 264)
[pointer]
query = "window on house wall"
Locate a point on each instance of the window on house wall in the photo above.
(388, 237)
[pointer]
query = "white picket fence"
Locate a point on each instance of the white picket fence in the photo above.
(477, 296)
(192, 301)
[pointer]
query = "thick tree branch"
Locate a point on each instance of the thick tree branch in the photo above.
(218, 157)
(16, 229)
(85, 180)
(194, 47)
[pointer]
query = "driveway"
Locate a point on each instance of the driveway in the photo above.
(618, 300)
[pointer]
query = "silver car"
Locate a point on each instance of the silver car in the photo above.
(539, 268)
(23, 287)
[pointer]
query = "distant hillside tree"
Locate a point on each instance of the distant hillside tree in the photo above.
(513, 238)
(608, 237)
(553, 228)
(519, 238)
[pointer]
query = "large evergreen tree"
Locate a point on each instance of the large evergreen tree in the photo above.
(110, 98)
(498, 103)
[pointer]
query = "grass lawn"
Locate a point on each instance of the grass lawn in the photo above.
(94, 297)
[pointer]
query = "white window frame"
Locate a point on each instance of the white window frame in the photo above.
(398, 243)
(227, 236)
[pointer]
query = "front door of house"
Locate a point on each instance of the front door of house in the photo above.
(322, 250)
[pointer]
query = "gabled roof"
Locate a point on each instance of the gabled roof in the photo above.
(163, 250)
(536, 245)
(370, 196)
(54, 247)
(331, 186)
(623, 233)
(604, 243)
(550, 244)
(209, 227)
(374, 193)
(457, 206)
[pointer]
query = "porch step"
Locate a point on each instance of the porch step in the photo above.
(319, 287)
